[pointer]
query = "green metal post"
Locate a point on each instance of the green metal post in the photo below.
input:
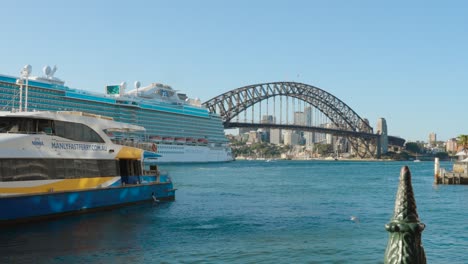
(404, 242)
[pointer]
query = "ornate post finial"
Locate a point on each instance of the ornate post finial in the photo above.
(404, 242)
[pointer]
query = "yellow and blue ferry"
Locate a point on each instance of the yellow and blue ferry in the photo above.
(56, 163)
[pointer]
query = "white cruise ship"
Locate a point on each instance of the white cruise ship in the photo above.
(178, 128)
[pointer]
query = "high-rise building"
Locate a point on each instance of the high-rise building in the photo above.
(268, 119)
(309, 136)
(255, 136)
(291, 138)
(330, 139)
(451, 145)
(321, 137)
(432, 138)
(299, 118)
(275, 136)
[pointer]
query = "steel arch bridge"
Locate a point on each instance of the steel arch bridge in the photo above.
(358, 131)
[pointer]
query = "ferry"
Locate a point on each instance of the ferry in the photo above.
(59, 163)
(166, 114)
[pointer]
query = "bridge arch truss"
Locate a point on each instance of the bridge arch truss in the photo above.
(230, 104)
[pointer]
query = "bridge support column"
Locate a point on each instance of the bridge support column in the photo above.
(379, 147)
(404, 242)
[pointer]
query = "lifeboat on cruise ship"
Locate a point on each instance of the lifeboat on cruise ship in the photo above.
(168, 139)
(202, 141)
(180, 140)
(156, 138)
(190, 140)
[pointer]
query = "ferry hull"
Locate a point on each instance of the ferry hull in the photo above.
(24, 208)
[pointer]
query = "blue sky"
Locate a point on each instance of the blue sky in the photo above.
(406, 62)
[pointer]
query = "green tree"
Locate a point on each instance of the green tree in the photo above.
(402, 156)
(324, 149)
(413, 147)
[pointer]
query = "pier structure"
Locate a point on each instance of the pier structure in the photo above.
(458, 174)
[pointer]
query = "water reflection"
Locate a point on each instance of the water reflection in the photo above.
(75, 238)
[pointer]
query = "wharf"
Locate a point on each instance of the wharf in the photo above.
(452, 178)
(458, 175)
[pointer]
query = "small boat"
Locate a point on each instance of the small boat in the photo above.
(61, 163)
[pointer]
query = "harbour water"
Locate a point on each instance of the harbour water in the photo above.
(256, 212)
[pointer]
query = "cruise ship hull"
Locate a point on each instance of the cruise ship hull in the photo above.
(29, 207)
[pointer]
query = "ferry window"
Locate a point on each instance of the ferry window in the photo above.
(59, 128)
(15, 125)
(59, 166)
(69, 169)
(7, 169)
(44, 126)
(5, 125)
(90, 135)
(78, 132)
(69, 131)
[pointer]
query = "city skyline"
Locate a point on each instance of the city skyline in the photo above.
(400, 61)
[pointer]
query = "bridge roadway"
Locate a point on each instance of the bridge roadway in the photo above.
(392, 140)
(336, 132)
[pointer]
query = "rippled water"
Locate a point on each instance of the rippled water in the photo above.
(256, 212)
